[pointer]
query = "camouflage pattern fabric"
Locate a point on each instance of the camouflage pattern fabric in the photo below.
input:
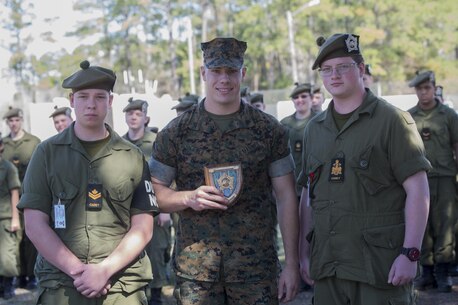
(223, 52)
(235, 245)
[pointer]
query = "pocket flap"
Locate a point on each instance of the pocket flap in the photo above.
(390, 237)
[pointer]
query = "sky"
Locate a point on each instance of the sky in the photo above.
(64, 19)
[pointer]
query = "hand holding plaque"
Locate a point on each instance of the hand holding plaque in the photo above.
(227, 178)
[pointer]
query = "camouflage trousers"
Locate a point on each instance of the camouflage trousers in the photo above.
(188, 292)
(334, 291)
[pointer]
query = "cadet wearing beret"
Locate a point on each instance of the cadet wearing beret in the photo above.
(257, 101)
(365, 196)
(185, 103)
(18, 148)
(158, 248)
(9, 224)
(225, 251)
(368, 79)
(88, 204)
(62, 117)
(438, 127)
(296, 122)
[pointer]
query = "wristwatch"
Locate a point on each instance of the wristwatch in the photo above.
(413, 254)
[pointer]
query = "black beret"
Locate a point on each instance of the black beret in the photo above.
(61, 110)
(13, 112)
(256, 97)
(422, 77)
(137, 104)
(245, 92)
(368, 70)
(223, 52)
(186, 101)
(305, 87)
(338, 45)
(90, 77)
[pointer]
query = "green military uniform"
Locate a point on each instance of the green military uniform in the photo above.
(236, 245)
(20, 151)
(159, 246)
(296, 134)
(62, 172)
(439, 131)
(354, 178)
(9, 241)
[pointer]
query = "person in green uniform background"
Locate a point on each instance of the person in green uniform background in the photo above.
(10, 226)
(365, 199)
(18, 148)
(88, 204)
(437, 125)
(318, 99)
(185, 103)
(224, 250)
(296, 122)
(257, 101)
(61, 117)
(158, 249)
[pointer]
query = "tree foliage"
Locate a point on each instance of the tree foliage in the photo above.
(397, 37)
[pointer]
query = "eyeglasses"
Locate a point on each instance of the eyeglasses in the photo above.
(302, 96)
(340, 69)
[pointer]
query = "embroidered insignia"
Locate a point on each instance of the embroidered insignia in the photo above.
(352, 43)
(94, 194)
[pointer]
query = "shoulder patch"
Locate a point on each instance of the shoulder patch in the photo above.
(408, 118)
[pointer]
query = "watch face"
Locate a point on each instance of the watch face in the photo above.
(414, 254)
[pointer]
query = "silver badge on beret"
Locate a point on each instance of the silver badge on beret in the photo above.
(352, 43)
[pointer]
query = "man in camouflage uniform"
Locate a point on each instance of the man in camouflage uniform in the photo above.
(158, 249)
(296, 122)
(19, 146)
(61, 117)
(88, 205)
(365, 200)
(225, 253)
(438, 127)
(10, 226)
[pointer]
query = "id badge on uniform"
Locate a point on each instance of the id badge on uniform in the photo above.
(59, 216)
(94, 197)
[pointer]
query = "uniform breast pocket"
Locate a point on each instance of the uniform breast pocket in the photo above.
(121, 191)
(371, 170)
(64, 191)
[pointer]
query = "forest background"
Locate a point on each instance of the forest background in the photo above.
(157, 43)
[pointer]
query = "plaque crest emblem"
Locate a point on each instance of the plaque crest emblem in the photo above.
(352, 43)
(227, 178)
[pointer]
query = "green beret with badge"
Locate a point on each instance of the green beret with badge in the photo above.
(90, 77)
(223, 52)
(137, 104)
(304, 87)
(186, 101)
(338, 45)
(61, 110)
(421, 77)
(13, 112)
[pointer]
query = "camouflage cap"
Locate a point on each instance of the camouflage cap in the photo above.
(137, 104)
(13, 112)
(90, 77)
(61, 110)
(305, 87)
(223, 52)
(338, 45)
(186, 101)
(256, 97)
(421, 77)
